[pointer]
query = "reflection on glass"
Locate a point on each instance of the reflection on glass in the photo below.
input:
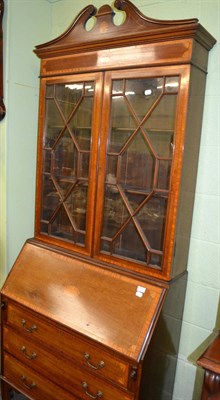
(162, 142)
(66, 159)
(53, 123)
(115, 212)
(47, 160)
(80, 124)
(117, 87)
(89, 88)
(142, 94)
(139, 158)
(122, 124)
(112, 169)
(172, 84)
(159, 126)
(163, 179)
(134, 200)
(50, 199)
(84, 165)
(60, 225)
(155, 259)
(129, 244)
(151, 217)
(50, 91)
(67, 97)
(76, 204)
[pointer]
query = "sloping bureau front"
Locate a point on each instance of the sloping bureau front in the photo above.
(98, 323)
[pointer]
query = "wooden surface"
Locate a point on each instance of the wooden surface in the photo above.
(211, 357)
(136, 28)
(115, 369)
(116, 52)
(38, 388)
(210, 361)
(114, 310)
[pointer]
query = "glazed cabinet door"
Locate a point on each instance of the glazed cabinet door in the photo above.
(142, 140)
(67, 159)
(110, 158)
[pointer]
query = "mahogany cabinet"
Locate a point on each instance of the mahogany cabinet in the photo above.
(210, 362)
(92, 307)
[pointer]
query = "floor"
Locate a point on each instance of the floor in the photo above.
(16, 396)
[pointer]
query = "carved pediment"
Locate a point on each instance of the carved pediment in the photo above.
(135, 29)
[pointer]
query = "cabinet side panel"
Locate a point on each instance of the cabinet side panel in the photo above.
(189, 171)
(159, 364)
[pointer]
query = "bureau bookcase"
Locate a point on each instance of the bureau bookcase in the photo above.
(92, 307)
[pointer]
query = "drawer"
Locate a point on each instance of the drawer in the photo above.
(30, 383)
(70, 345)
(71, 377)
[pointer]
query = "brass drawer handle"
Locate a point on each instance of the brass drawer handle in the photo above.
(29, 330)
(29, 356)
(25, 383)
(101, 364)
(98, 394)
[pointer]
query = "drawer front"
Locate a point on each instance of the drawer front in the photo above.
(85, 353)
(49, 364)
(30, 383)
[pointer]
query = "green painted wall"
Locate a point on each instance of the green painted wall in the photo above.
(30, 22)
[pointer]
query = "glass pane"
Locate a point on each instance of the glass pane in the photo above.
(151, 218)
(162, 142)
(163, 116)
(80, 238)
(89, 88)
(111, 169)
(155, 259)
(84, 165)
(53, 123)
(61, 226)
(134, 200)
(172, 84)
(44, 227)
(163, 180)
(117, 87)
(139, 158)
(65, 159)
(68, 96)
(50, 91)
(106, 246)
(115, 212)
(142, 94)
(122, 124)
(47, 160)
(76, 204)
(81, 123)
(50, 199)
(129, 244)
(137, 165)
(160, 127)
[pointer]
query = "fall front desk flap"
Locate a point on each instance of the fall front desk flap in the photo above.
(115, 310)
